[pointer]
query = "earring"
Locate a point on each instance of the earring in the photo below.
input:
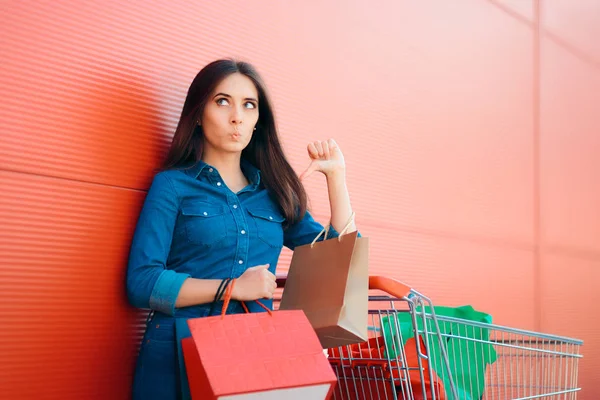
(254, 128)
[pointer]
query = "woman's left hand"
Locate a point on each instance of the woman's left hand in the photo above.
(326, 157)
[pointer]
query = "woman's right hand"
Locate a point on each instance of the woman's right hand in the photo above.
(255, 283)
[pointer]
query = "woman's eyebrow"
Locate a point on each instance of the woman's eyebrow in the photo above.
(221, 94)
(226, 95)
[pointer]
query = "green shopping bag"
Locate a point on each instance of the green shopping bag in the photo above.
(469, 352)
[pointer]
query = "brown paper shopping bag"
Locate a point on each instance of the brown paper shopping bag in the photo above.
(329, 281)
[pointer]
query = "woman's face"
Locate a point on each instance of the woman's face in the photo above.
(230, 114)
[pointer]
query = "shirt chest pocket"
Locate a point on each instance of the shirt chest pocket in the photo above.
(204, 222)
(268, 225)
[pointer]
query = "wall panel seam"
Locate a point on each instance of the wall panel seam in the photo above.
(15, 171)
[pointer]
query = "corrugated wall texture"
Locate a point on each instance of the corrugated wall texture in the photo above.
(569, 141)
(470, 129)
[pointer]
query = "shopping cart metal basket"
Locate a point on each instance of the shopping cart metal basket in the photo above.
(415, 354)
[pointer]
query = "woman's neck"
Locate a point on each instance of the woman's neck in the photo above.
(228, 165)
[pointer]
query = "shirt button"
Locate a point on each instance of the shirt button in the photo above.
(270, 217)
(205, 213)
(210, 170)
(241, 262)
(218, 183)
(235, 206)
(243, 232)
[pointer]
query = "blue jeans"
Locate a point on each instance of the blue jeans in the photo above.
(157, 374)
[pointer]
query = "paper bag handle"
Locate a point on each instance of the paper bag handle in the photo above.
(227, 298)
(326, 230)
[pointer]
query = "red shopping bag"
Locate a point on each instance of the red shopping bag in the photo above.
(274, 355)
(364, 372)
(412, 361)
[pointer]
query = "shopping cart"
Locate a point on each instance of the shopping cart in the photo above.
(414, 354)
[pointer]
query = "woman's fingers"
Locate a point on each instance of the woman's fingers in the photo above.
(319, 148)
(325, 146)
(312, 150)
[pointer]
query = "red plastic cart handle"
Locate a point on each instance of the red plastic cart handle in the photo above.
(391, 286)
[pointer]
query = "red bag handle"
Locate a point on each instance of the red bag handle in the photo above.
(227, 298)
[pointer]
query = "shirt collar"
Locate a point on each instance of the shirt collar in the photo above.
(196, 169)
(250, 171)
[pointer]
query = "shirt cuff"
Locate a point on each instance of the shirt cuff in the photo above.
(165, 291)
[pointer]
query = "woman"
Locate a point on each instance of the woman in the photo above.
(225, 204)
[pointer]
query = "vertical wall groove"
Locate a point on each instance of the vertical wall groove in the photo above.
(537, 213)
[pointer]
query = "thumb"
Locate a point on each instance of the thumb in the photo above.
(260, 267)
(311, 168)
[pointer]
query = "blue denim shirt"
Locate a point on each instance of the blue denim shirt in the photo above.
(193, 225)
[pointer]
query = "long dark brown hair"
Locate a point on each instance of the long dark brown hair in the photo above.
(264, 150)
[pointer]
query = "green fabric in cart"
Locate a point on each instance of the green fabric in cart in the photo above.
(469, 351)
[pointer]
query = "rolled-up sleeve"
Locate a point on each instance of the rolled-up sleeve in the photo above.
(305, 231)
(149, 283)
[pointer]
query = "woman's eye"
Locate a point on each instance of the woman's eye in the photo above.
(250, 105)
(222, 102)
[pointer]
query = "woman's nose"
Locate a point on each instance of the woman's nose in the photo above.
(236, 116)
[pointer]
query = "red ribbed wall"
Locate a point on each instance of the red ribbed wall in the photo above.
(470, 129)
